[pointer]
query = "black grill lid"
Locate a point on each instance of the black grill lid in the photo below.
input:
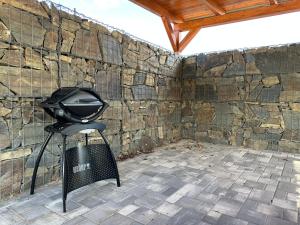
(72, 104)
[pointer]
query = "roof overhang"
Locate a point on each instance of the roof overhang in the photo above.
(191, 15)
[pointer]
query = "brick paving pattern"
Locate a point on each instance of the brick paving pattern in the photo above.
(186, 183)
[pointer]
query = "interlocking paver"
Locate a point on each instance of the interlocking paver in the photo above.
(228, 220)
(228, 206)
(186, 216)
(176, 184)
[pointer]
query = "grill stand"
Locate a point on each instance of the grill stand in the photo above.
(67, 129)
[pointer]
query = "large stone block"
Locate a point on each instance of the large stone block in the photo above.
(13, 57)
(4, 134)
(270, 81)
(110, 49)
(70, 25)
(108, 84)
(67, 41)
(189, 70)
(272, 60)
(291, 120)
(31, 6)
(11, 176)
(144, 92)
(86, 44)
(290, 82)
(293, 60)
(289, 96)
(188, 89)
(5, 34)
(204, 113)
(27, 82)
(237, 67)
(270, 94)
(208, 61)
(24, 27)
(206, 92)
(34, 134)
(33, 59)
(228, 93)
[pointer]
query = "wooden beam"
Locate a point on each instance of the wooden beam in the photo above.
(187, 39)
(170, 33)
(157, 9)
(254, 13)
(273, 2)
(214, 7)
(177, 39)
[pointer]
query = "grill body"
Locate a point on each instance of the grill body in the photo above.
(73, 104)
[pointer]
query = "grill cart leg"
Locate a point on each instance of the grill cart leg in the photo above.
(113, 159)
(37, 162)
(86, 139)
(64, 174)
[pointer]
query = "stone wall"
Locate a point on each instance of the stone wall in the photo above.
(42, 48)
(245, 98)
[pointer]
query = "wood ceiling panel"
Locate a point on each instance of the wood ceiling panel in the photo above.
(191, 15)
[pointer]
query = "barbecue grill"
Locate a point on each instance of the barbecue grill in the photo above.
(75, 110)
(72, 104)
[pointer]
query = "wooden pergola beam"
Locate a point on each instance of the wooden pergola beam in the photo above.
(187, 39)
(157, 9)
(248, 14)
(214, 7)
(274, 2)
(171, 34)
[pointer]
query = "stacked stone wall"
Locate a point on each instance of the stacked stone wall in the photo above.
(245, 98)
(42, 48)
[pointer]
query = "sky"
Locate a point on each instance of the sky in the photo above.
(139, 22)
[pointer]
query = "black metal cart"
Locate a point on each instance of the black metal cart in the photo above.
(80, 165)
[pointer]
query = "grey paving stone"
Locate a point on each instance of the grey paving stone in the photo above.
(212, 217)
(270, 210)
(288, 187)
(285, 204)
(228, 220)
(228, 206)
(261, 195)
(118, 219)
(290, 215)
(278, 221)
(150, 200)
(169, 191)
(186, 217)
(252, 216)
(168, 209)
(253, 184)
(99, 214)
(79, 220)
(143, 215)
(10, 217)
(49, 219)
(91, 201)
(159, 219)
(32, 212)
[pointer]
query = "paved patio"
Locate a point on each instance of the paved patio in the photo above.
(184, 183)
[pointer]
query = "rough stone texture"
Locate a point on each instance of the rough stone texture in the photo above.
(24, 27)
(43, 48)
(246, 98)
(86, 44)
(110, 49)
